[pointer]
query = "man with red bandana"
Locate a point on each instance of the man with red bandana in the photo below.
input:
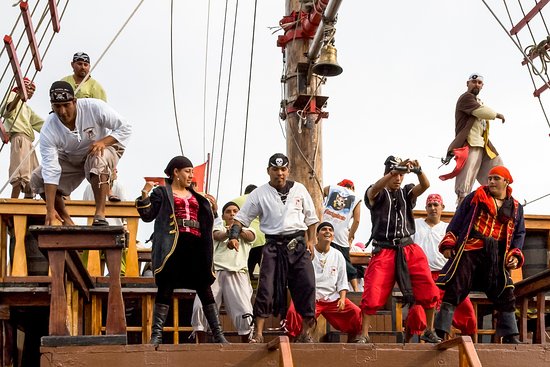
(483, 243)
(429, 233)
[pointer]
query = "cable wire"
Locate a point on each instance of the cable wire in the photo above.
(172, 73)
(248, 94)
(227, 95)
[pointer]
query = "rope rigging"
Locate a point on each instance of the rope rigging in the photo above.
(537, 49)
(204, 89)
(248, 94)
(172, 73)
(227, 96)
(218, 89)
(521, 49)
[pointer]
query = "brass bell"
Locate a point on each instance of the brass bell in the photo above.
(327, 64)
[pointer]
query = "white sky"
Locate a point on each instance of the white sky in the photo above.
(405, 64)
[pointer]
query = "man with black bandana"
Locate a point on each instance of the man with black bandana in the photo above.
(288, 218)
(395, 256)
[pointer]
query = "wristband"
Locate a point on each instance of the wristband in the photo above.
(234, 232)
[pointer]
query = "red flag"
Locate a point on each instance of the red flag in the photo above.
(460, 156)
(199, 174)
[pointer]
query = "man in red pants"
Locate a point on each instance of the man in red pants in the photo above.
(331, 286)
(395, 256)
(429, 233)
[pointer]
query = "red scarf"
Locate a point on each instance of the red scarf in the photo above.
(482, 195)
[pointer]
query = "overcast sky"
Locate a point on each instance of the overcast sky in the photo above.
(405, 64)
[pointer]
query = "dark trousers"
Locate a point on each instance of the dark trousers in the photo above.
(471, 274)
(254, 258)
(300, 278)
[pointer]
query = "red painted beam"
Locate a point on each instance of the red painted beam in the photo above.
(539, 91)
(55, 18)
(522, 23)
(310, 24)
(26, 15)
(14, 61)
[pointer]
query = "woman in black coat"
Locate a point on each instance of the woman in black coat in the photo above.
(182, 243)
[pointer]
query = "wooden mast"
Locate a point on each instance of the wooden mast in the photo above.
(303, 130)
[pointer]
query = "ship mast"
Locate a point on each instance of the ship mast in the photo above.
(308, 28)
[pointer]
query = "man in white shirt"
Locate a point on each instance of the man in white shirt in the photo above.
(288, 219)
(428, 235)
(83, 138)
(331, 287)
(232, 284)
(343, 211)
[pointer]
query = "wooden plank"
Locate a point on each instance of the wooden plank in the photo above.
(470, 351)
(146, 317)
(523, 319)
(29, 29)
(116, 320)
(20, 256)
(3, 248)
(541, 328)
(16, 67)
(56, 26)
(77, 273)
(58, 341)
(75, 208)
(58, 306)
(530, 287)
(176, 319)
(96, 314)
(530, 15)
(132, 263)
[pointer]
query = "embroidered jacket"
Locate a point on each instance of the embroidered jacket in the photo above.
(160, 207)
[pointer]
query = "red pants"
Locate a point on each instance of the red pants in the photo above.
(347, 321)
(464, 318)
(380, 279)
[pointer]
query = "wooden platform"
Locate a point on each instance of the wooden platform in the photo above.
(303, 355)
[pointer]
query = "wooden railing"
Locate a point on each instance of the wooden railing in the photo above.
(534, 286)
(285, 354)
(467, 355)
(18, 211)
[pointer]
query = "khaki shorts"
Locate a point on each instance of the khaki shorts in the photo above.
(72, 174)
(21, 146)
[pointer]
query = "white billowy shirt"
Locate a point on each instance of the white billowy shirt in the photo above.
(277, 218)
(339, 206)
(330, 275)
(95, 120)
(429, 238)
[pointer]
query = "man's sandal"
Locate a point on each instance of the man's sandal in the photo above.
(100, 222)
(256, 339)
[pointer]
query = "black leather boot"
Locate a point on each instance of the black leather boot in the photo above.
(507, 327)
(511, 339)
(211, 313)
(160, 313)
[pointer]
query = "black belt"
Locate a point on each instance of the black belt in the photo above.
(188, 223)
(286, 237)
(394, 242)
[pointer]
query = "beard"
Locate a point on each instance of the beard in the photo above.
(475, 91)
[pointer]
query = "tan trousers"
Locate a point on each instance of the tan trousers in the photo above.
(477, 167)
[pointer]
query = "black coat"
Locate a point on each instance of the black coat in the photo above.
(160, 207)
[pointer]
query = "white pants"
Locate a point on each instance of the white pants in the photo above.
(236, 292)
(477, 166)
